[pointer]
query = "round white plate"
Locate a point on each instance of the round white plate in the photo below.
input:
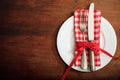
(66, 42)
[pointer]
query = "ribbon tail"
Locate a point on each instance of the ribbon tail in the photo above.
(70, 66)
(108, 54)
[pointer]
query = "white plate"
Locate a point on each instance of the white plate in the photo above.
(66, 42)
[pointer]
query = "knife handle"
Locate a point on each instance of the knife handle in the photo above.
(92, 61)
(84, 63)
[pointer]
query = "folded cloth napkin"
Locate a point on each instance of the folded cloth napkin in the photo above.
(81, 16)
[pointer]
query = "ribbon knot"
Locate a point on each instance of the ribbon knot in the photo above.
(80, 46)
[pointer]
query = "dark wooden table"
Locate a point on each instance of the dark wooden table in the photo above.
(28, 31)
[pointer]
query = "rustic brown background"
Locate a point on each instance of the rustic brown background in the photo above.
(28, 31)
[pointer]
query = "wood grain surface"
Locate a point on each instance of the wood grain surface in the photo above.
(28, 31)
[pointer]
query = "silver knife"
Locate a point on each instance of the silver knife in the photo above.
(91, 34)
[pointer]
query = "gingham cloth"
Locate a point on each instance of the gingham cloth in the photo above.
(81, 17)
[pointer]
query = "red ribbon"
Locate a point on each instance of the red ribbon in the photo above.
(80, 46)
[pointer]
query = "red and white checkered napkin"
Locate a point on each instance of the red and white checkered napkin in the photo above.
(81, 16)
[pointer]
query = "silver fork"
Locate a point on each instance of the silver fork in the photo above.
(84, 63)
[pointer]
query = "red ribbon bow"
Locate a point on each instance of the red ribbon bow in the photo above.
(80, 46)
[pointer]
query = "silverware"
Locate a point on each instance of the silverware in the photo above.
(91, 34)
(84, 63)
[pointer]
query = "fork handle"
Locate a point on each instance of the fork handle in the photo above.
(84, 63)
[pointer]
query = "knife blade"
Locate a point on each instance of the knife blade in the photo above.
(91, 34)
